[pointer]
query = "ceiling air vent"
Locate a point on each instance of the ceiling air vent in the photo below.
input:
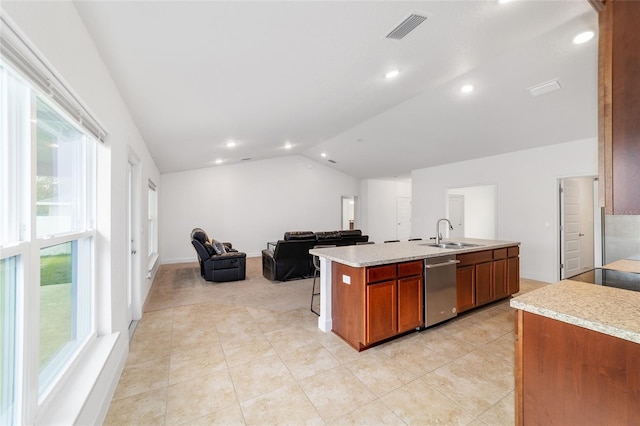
(544, 88)
(331, 161)
(406, 26)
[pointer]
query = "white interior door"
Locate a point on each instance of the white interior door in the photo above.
(456, 215)
(132, 245)
(403, 215)
(576, 226)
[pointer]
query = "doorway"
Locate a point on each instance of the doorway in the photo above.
(348, 209)
(580, 225)
(403, 218)
(472, 209)
(456, 215)
(133, 261)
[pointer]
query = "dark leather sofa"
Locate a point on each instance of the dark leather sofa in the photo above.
(290, 258)
(228, 265)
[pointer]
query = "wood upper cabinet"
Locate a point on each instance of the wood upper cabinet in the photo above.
(619, 107)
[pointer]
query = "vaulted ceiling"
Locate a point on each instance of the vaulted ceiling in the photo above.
(197, 74)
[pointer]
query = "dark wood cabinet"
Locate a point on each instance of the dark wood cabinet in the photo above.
(465, 288)
(513, 275)
(500, 286)
(569, 375)
(410, 303)
(485, 276)
(484, 283)
(619, 107)
(381, 311)
(376, 303)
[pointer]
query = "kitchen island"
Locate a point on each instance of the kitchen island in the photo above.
(578, 353)
(347, 296)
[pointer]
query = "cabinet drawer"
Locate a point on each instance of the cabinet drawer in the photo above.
(513, 251)
(381, 273)
(408, 269)
(472, 258)
(500, 254)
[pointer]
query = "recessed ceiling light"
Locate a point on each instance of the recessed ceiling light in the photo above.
(288, 145)
(466, 88)
(323, 155)
(503, 1)
(583, 37)
(392, 74)
(218, 161)
(231, 144)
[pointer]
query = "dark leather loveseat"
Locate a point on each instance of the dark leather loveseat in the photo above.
(219, 262)
(290, 259)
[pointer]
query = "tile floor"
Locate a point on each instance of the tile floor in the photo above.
(205, 354)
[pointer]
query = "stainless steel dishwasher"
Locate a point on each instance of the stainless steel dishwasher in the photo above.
(439, 289)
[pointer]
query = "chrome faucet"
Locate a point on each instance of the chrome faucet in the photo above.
(438, 234)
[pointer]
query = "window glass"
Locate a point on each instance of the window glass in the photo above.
(65, 300)
(7, 341)
(60, 183)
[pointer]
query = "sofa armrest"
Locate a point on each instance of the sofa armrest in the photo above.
(268, 253)
(230, 255)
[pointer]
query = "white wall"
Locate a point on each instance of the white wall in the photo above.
(527, 208)
(379, 212)
(249, 204)
(58, 33)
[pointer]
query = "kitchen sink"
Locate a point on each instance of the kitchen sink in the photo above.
(453, 246)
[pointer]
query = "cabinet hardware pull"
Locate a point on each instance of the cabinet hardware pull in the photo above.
(438, 265)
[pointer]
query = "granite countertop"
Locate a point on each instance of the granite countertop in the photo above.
(608, 310)
(384, 253)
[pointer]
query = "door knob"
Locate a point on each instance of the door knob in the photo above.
(581, 235)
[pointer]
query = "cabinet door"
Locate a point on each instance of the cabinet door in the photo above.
(409, 303)
(484, 283)
(513, 274)
(619, 81)
(465, 288)
(381, 311)
(500, 287)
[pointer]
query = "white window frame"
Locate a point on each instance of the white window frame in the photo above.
(29, 397)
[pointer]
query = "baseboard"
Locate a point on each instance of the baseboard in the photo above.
(192, 260)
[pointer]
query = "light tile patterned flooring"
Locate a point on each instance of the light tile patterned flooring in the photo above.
(197, 361)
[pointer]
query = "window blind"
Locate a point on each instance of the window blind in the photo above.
(25, 59)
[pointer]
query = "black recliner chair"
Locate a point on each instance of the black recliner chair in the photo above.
(218, 263)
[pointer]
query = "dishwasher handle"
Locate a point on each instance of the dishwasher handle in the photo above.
(439, 265)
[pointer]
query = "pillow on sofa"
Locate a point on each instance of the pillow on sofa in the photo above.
(299, 235)
(210, 250)
(218, 247)
(331, 235)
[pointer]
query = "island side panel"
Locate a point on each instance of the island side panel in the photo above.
(324, 320)
(348, 303)
(572, 375)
